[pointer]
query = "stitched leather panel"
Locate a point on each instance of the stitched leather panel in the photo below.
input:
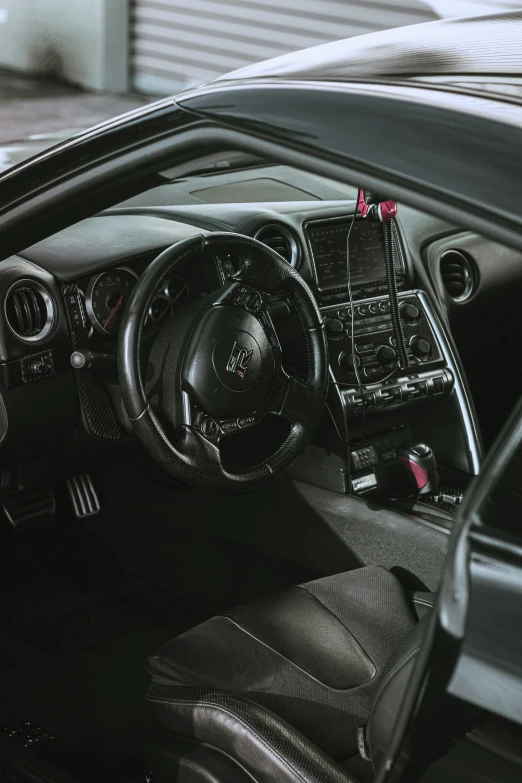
(300, 628)
(423, 602)
(267, 747)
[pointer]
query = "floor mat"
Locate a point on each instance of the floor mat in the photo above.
(75, 632)
(123, 608)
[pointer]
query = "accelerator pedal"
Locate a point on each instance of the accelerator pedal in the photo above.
(83, 496)
(30, 510)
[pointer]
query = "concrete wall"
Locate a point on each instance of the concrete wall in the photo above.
(82, 41)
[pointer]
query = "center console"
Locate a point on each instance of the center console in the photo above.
(363, 353)
(374, 406)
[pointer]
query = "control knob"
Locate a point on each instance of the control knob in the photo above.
(335, 326)
(349, 361)
(420, 347)
(409, 311)
(386, 354)
(93, 360)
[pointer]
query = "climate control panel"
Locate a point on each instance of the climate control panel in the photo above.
(361, 341)
(399, 391)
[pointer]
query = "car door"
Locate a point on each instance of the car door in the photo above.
(461, 717)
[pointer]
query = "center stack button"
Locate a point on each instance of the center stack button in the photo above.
(335, 327)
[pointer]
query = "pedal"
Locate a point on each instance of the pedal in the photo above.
(29, 510)
(83, 496)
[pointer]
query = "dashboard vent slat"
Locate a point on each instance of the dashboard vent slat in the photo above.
(280, 239)
(458, 274)
(29, 310)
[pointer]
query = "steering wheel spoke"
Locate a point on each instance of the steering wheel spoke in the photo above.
(299, 400)
(292, 399)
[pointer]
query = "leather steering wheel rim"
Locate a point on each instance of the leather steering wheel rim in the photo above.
(194, 457)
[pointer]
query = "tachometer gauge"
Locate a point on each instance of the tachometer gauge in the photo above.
(178, 291)
(160, 310)
(106, 297)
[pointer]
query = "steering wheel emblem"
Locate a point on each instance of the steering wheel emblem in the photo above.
(239, 360)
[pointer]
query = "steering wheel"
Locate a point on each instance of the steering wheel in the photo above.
(216, 366)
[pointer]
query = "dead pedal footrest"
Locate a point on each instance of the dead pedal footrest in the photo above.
(83, 495)
(26, 510)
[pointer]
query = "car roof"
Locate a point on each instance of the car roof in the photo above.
(484, 48)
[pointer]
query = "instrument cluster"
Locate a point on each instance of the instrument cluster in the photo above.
(107, 294)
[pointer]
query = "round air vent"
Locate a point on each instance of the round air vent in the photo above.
(29, 310)
(458, 274)
(280, 239)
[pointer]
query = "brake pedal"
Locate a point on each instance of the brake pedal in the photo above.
(29, 510)
(83, 496)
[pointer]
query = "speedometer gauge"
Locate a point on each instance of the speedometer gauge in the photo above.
(106, 297)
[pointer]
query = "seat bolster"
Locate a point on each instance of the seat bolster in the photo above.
(423, 603)
(265, 746)
(390, 695)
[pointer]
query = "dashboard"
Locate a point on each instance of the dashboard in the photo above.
(99, 300)
(70, 291)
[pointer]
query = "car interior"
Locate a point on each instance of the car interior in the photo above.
(270, 574)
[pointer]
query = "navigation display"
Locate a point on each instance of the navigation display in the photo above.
(367, 259)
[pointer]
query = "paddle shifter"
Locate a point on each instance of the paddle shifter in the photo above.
(419, 461)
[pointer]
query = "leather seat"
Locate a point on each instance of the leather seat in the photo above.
(281, 684)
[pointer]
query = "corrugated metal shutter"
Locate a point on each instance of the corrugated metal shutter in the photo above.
(179, 43)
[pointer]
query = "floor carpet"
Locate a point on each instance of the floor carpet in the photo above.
(75, 631)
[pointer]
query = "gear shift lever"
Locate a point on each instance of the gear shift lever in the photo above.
(419, 461)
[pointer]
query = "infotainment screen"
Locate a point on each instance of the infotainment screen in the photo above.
(328, 244)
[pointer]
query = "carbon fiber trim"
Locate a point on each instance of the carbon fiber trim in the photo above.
(98, 413)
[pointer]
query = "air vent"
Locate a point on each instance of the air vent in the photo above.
(29, 310)
(458, 274)
(280, 239)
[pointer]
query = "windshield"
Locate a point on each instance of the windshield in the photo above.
(240, 179)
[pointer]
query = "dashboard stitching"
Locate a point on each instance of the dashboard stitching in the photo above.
(218, 223)
(109, 264)
(26, 261)
(252, 218)
(173, 216)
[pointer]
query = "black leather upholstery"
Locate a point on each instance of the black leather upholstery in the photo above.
(298, 627)
(393, 682)
(261, 743)
(423, 602)
(313, 655)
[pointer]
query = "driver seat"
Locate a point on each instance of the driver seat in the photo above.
(302, 685)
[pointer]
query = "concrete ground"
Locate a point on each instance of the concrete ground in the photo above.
(30, 105)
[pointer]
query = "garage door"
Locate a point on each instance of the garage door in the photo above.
(179, 43)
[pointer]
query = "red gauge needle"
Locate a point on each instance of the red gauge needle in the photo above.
(178, 295)
(113, 312)
(164, 312)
